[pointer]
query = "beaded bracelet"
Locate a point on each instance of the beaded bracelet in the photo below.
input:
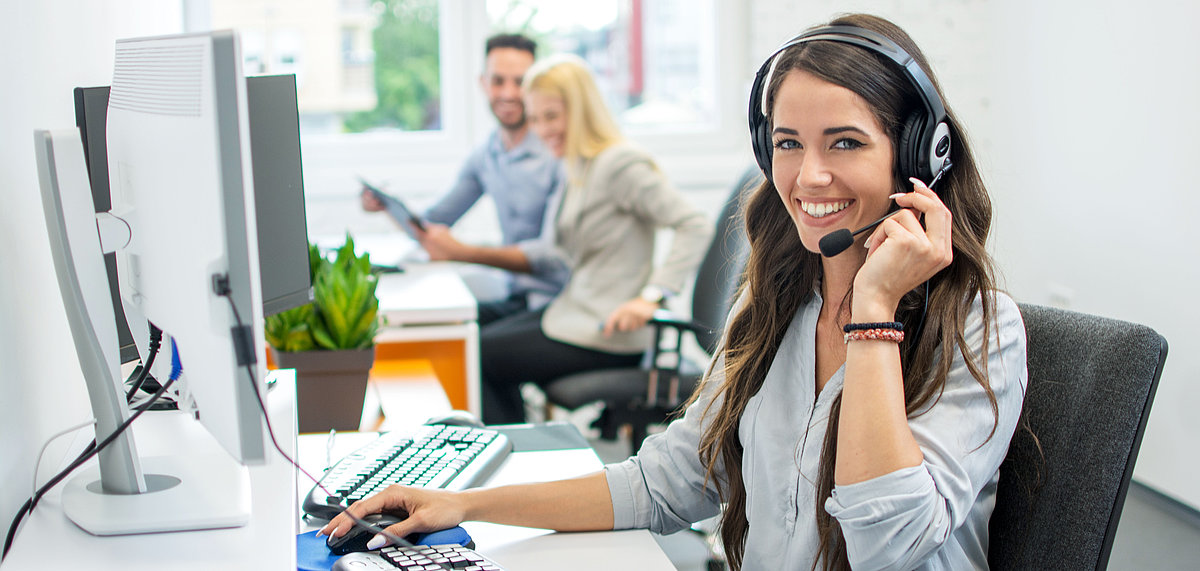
(878, 334)
(894, 325)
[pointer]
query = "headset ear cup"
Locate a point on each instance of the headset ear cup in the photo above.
(761, 140)
(908, 155)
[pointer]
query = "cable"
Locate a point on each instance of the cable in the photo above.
(249, 364)
(37, 463)
(155, 342)
(87, 454)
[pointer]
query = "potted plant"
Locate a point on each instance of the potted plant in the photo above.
(331, 341)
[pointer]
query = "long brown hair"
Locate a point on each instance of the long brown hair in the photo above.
(781, 276)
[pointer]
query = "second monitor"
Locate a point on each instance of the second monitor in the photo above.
(278, 186)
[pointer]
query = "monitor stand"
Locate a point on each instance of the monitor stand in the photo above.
(182, 493)
(120, 495)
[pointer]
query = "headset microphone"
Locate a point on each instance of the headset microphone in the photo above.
(837, 241)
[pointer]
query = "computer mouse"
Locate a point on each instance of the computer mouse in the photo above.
(457, 418)
(356, 539)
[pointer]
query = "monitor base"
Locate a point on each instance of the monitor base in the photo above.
(183, 494)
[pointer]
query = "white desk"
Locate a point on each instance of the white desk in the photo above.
(48, 540)
(429, 312)
(520, 548)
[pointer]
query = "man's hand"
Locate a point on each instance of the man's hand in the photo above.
(440, 244)
(369, 202)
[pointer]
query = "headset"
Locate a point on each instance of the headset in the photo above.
(924, 146)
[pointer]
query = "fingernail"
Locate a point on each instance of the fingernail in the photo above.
(916, 180)
(897, 195)
(376, 542)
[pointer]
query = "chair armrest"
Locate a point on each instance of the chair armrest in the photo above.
(667, 318)
(665, 377)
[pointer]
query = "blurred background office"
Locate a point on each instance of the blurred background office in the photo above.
(1087, 108)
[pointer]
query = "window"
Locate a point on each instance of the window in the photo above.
(388, 88)
(654, 60)
(360, 65)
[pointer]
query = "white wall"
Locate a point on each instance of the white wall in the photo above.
(1094, 162)
(1085, 118)
(46, 49)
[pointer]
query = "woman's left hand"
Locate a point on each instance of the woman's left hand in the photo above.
(629, 316)
(901, 253)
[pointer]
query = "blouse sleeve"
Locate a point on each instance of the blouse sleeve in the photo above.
(897, 520)
(663, 488)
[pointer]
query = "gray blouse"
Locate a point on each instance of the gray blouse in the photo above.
(932, 516)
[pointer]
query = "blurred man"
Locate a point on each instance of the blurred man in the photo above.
(512, 167)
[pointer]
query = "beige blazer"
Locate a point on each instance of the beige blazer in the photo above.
(606, 228)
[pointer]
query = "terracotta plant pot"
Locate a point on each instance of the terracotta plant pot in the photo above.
(330, 386)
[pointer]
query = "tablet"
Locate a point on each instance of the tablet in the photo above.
(397, 209)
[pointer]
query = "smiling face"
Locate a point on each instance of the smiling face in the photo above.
(832, 160)
(547, 115)
(501, 81)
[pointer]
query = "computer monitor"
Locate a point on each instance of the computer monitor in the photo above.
(278, 191)
(183, 227)
(91, 112)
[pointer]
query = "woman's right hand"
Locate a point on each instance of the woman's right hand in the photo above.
(428, 510)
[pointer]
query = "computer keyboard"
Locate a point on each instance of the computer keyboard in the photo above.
(435, 456)
(417, 558)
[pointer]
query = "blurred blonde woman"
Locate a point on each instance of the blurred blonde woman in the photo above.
(601, 228)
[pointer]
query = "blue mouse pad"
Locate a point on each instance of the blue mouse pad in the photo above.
(313, 555)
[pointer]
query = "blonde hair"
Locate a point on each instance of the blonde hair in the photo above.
(590, 126)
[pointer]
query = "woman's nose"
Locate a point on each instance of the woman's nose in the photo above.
(814, 173)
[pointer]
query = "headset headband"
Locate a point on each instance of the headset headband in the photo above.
(932, 153)
(876, 43)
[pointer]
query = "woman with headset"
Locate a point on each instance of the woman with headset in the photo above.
(859, 409)
(604, 223)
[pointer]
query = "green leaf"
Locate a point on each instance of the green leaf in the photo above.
(344, 311)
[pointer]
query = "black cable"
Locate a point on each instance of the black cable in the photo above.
(924, 309)
(86, 455)
(249, 364)
(155, 343)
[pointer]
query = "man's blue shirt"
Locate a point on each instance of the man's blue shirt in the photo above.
(520, 181)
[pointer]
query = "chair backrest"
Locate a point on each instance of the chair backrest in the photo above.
(1091, 383)
(720, 273)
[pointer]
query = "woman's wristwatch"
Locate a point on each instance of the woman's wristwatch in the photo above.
(653, 294)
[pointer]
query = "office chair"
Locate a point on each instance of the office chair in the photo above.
(647, 395)
(1091, 383)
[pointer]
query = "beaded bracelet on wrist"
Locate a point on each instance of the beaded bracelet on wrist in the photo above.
(875, 335)
(894, 325)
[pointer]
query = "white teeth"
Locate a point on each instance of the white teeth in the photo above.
(820, 210)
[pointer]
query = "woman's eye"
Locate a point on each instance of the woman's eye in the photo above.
(787, 144)
(847, 144)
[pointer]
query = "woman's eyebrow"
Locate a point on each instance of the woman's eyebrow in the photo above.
(845, 129)
(828, 132)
